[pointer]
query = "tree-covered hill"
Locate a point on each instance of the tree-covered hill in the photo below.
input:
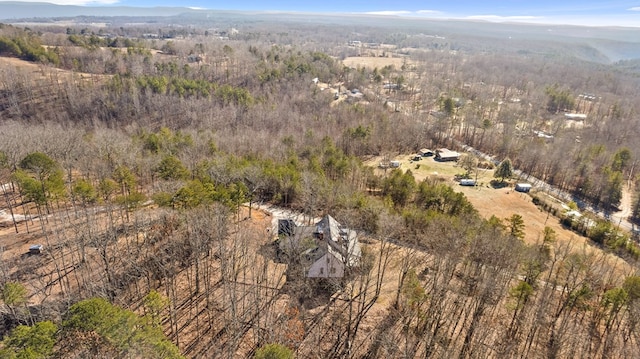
(135, 172)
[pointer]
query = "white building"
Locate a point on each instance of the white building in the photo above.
(333, 248)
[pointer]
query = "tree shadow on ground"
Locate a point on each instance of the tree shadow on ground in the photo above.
(496, 184)
(310, 293)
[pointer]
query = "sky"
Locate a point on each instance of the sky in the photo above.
(585, 12)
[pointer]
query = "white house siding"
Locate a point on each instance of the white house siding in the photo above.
(327, 266)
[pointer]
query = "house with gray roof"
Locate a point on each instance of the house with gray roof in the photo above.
(331, 248)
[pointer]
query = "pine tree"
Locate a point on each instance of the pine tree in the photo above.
(504, 170)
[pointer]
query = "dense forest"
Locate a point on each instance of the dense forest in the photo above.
(138, 156)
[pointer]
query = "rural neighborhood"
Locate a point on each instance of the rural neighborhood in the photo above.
(193, 183)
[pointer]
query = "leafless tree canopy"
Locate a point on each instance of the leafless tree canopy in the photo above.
(137, 154)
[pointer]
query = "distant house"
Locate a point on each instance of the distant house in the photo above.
(588, 96)
(425, 152)
(523, 187)
(331, 249)
(575, 116)
(543, 135)
(444, 154)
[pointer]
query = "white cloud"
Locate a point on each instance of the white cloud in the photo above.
(637, 8)
(421, 13)
(623, 20)
(74, 2)
(498, 18)
(428, 12)
(389, 13)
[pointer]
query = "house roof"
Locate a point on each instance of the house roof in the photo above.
(330, 238)
(575, 116)
(341, 241)
(446, 153)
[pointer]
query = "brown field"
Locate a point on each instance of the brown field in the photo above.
(40, 72)
(18, 63)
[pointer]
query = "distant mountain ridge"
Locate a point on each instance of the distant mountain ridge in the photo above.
(12, 10)
(597, 44)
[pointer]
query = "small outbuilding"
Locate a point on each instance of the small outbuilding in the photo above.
(36, 249)
(523, 187)
(467, 182)
(286, 227)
